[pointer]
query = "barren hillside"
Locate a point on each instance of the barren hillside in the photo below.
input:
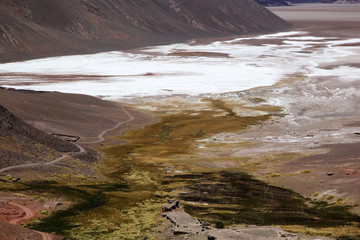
(38, 28)
(21, 143)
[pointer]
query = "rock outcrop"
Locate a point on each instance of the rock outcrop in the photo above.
(251, 233)
(193, 229)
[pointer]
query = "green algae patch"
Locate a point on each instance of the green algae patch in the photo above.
(176, 135)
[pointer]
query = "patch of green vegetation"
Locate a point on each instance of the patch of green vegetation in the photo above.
(39, 198)
(60, 222)
(132, 212)
(9, 178)
(219, 225)
(139, 177)
(272, 175)
(44, 212)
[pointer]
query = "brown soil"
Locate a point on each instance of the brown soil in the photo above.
(70, 114)
(334, 173)
(18, 209)
(9, 231)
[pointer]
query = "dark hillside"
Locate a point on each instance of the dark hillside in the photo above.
(21, 143)
(38, 28)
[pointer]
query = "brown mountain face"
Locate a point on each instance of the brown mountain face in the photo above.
(21, 143)
(38, 28)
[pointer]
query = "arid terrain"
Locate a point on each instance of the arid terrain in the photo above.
(97, 26)
(280, 152)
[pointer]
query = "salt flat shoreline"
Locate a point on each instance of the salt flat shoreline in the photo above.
(191, 69)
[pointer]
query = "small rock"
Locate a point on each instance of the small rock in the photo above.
(205, 225)
(288, 236)
(58, 204)
(172, 205)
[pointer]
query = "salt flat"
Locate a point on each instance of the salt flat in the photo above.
(189, 68)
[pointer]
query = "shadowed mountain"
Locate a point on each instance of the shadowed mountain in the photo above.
(39, 28)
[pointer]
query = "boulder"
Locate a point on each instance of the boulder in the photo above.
(172, 205)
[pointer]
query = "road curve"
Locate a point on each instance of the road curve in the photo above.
(28, 215)
(102, 134)
(82, 150)
(65, 155)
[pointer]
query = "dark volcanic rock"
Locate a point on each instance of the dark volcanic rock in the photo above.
(37, 28)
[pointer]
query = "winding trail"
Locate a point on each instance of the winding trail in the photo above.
(103, 133)
(28, 212)
(82, 150)
(27, 216)
(64, 156)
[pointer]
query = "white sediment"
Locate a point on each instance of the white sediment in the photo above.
(154, 71)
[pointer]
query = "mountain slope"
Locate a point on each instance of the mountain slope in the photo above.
(21, 143)
(36, 28)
